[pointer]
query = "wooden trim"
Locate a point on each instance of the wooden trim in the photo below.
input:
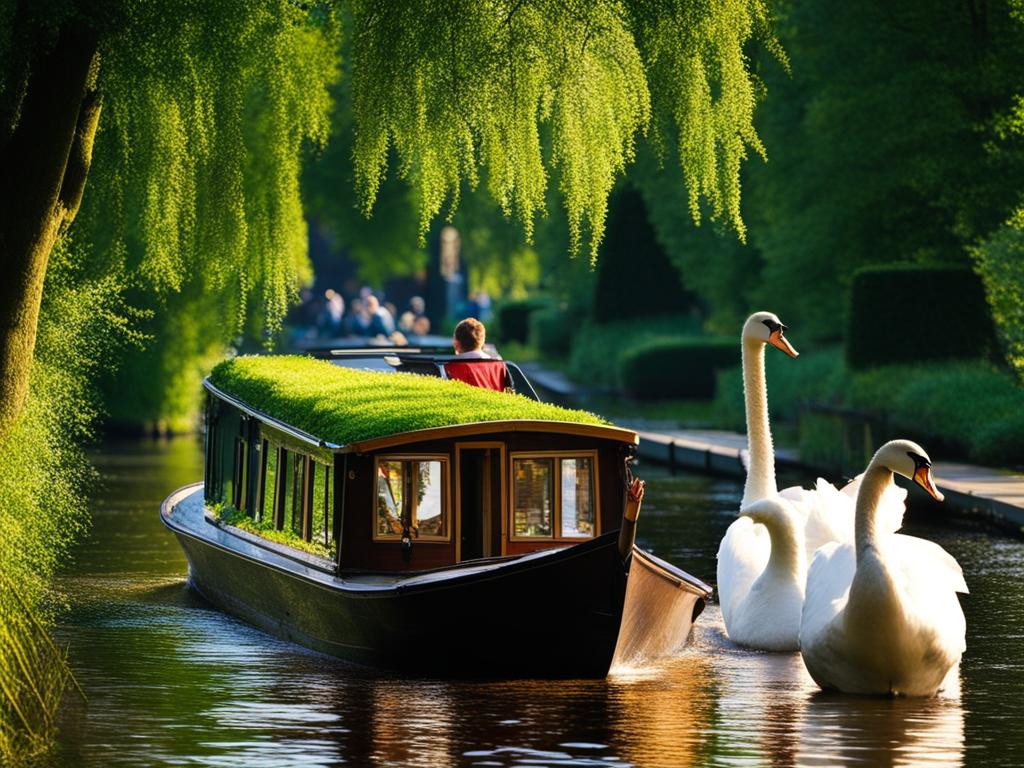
(489, 427)
(446, 495)
(556, 503)
(457, 482)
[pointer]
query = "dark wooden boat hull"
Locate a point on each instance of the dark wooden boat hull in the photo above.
(555, 614)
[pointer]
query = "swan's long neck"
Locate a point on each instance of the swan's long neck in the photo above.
(877, 479)
(761, 470)
(787, 559)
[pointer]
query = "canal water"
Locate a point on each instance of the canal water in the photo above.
(171, 681)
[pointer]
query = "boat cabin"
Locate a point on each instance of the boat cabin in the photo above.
(366, 470)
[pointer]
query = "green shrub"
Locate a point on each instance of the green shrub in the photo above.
(907, 312)
(969, 407)
(680, 368)
(597, 348)
(551, 331)
(817, 376)
(1000, 262)
(512, 318)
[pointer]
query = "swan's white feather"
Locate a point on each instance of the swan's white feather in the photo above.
(742, 555)
(891, 623)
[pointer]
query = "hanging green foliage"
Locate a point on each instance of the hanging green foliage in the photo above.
(524, 89)
(197, 159)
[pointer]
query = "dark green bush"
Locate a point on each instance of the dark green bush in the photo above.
(973, 408)
(901, 313)
(551, 331)
(513, 318)
(634, 275)
(680, 368)
(597, 348)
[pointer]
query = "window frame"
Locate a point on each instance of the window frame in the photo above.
(446, 505)
(556, 503)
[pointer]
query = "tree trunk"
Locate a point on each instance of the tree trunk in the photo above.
(43, 167)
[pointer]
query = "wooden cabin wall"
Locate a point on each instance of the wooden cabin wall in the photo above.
(358, 549)
(224, 428)
(360, 552)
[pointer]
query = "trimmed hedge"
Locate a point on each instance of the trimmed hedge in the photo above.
(968, 405)
(344, 405)
(681, 368)
(903, 313)
(513, 318)
(959, 409)
(598, 348)
(551, 331)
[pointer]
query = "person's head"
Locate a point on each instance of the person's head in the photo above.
(421, 326)
(417, 305)
(372, 304)
(470, 335)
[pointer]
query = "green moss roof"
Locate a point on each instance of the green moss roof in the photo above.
(341, 405)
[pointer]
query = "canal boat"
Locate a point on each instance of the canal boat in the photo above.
(404, 521)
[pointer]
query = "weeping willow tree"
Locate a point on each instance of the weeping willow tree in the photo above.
(170, 134)
(188, 120)
(149, 153)
(519, 92)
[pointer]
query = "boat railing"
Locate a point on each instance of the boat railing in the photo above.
(425, 360)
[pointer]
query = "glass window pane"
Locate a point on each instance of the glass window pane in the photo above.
(429, 519)
(577, 497)
(296, 492)
(269, 483)
(390, 486)
(534, 485)
(319, 501)
(284, 466)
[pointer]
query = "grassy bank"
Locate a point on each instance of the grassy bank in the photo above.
(44, 482)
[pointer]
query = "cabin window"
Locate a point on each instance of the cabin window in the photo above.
(553, 496)
(238, 496)
(577, 490)
(294, 491)
(412, 496)
(534, 496)
(268, 492)
(320, 504)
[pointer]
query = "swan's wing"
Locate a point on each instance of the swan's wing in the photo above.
(742, 555)
(889, 517)
(893, 505)
(927, 562)
(828, 514)
(828, 589)
(929, 578)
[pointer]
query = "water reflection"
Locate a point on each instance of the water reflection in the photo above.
(171, 680)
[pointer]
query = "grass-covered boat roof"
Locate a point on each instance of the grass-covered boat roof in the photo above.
(344, 406)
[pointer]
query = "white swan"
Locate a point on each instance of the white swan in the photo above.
(824, 513)
(881, 615)
(767, 615)
(745, 549)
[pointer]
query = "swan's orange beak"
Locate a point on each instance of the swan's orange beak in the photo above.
(923, 477)
(776, 339)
